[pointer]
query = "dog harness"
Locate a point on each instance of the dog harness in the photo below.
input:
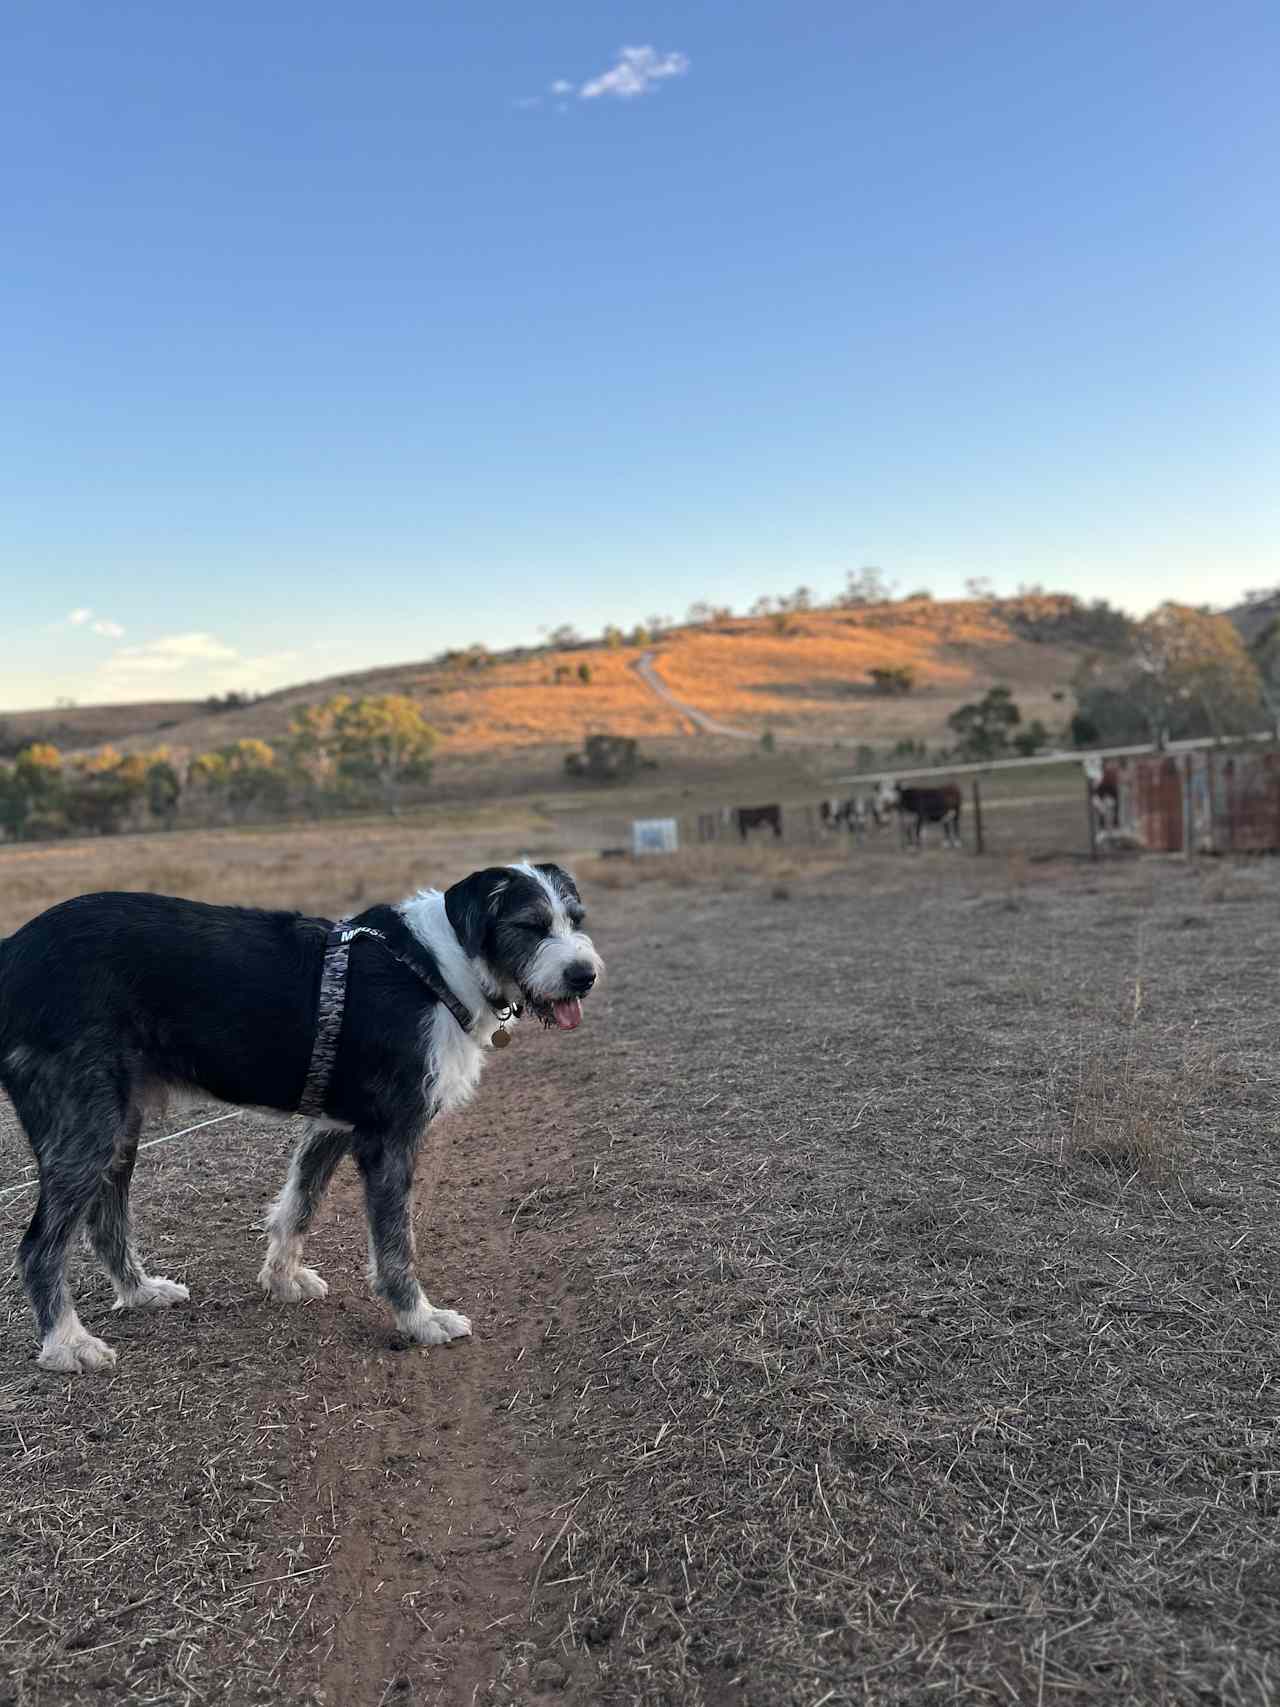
(333, 1001)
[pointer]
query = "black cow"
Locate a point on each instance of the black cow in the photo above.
(921, 806)
(752, 817)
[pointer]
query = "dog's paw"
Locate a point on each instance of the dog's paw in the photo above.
(291, 1285)
(75, 1354)
(429, 1326)
(153, 1293)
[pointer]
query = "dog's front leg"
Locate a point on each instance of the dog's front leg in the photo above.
(387, 1163)
(283, 1274)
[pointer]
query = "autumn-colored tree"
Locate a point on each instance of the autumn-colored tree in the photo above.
(385, 737)
(381, 738)
(39, 767)
(1185, 655)
(243, 774)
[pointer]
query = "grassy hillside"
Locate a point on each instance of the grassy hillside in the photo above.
(804, 676)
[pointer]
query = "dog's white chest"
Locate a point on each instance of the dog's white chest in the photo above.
(454, 1062)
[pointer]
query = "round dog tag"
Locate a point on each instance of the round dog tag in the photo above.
(501, 1037)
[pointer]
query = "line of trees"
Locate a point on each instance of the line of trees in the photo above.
(344, 755)
(1186, 672)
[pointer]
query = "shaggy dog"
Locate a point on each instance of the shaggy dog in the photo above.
(109, 1001)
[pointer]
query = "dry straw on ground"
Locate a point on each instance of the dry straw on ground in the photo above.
(847, 1379)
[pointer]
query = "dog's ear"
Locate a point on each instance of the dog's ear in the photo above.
(470, 906)
(560, 881)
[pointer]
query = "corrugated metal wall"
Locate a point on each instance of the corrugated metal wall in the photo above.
(1225, 802)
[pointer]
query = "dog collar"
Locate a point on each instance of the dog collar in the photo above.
(333, 1001)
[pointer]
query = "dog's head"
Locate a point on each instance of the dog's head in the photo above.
(524, 922)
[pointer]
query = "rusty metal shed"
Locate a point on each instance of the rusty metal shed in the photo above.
(1216, 800)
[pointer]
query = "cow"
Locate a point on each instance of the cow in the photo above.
(753, 817)
(921, 806)
(855, 814)
(1104, 792)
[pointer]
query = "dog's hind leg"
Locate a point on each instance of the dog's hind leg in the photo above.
(387, 1166)
(311, 1166)
(73, 1138)
(109, 1232)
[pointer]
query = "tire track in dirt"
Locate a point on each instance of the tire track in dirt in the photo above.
(434, 1474)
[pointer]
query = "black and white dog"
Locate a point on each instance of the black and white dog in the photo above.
(109, 1001)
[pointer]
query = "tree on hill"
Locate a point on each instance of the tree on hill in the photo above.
(381, 739)
(1186, 656)
(39, 767)
(893, 678)
(983, 727)
(866, 586)
(243, 775)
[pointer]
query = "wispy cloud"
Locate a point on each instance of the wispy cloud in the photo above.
(169, 655)
(638, 72)
(191, 663)
(84, 618)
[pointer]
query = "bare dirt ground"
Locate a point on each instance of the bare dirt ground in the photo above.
(876, 1301)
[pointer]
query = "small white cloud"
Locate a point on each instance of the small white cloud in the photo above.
(83, 617)
(561, 87)
(169, 655)
(193, 663)
(637, 72)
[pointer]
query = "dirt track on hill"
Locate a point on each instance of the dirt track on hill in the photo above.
(853, 1323)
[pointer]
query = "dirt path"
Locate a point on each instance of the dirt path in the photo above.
(644, 668)
(434, 1467)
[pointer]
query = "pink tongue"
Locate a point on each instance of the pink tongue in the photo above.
(567, 1014)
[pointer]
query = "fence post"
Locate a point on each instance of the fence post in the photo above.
(1090, 814)
(980, 845)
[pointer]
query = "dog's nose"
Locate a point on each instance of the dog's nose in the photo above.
(580, 979)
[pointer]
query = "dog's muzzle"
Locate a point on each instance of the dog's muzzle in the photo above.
(565, 1011)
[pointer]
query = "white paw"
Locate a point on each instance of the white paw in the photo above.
(75, 1355)
(429, 1326)
(153, 1294)
(291, 1285)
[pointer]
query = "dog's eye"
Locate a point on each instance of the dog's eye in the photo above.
(577, 920)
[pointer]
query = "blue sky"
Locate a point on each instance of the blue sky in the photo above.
(336, 335)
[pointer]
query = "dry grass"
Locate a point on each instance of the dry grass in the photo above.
(745, 672)
(322, 868)
(872, 1399)
(848, 1379)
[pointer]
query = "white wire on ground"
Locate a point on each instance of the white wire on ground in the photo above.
(30, 1185)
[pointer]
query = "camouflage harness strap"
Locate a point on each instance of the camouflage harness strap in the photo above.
(333, 1001)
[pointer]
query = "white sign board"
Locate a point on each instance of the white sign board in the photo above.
(654, 835)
